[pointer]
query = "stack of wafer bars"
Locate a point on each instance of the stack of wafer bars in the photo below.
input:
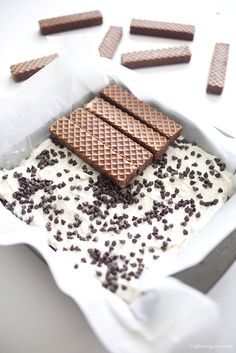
(117, 134)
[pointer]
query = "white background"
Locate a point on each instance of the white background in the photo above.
(34, 315)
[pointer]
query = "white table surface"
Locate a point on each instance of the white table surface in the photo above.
(34, 315)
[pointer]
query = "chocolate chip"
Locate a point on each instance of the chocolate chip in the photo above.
(199, 196)
(164, 245)
(48, 226)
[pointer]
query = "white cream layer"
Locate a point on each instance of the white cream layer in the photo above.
(178, 239)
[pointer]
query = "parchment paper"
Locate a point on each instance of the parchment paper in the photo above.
(162, 319)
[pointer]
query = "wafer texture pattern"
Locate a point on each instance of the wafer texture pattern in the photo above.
(24, 70)
(165, 56)
(162, 29)
(141, 133)
(112, 138)
(126, 101)
(110, 42)
(218, 68)
(99, 156)
(70, 22)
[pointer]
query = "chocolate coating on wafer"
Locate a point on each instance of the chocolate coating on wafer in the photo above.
(147, 114)
(110, 42)
(112, 138)
(165, 56)
(70, 22)
(105, 160)
(24, 70)
(133, 128)
(218, 67)
(162, 29)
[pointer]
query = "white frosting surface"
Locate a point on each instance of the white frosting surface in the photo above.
(172, 228)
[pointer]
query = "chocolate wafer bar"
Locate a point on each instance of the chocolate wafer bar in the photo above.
(133, 128)
(24, 70)
(147, 58)
(70, 22)
(218, 67)
(162, 29)
(104, 159)
(110, 42)
(112, 138)
(130, 104)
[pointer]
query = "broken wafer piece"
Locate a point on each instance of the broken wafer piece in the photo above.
(218, 67)
(24, 70)
(110, 42)
(147, 114)
(70, 22)
(105, 160)
(162, 29)
(112, 138)
(133, 128)
(147, 58)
